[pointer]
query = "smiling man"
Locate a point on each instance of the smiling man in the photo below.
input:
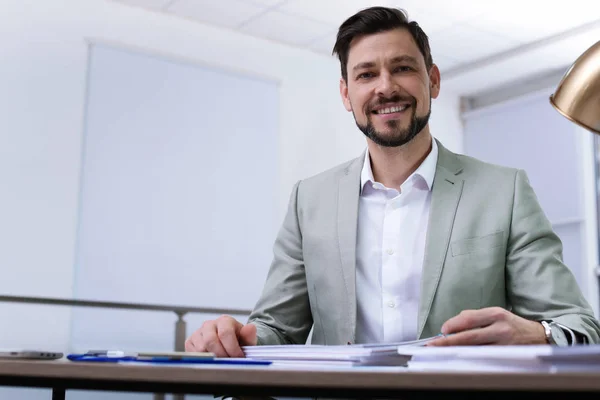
(386, 84)
(409, 239)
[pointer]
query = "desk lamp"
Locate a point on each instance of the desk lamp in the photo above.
(577, 96)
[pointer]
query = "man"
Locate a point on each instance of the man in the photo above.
(410, 239)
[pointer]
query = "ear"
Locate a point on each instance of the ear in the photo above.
(344, 94)
(434, 81)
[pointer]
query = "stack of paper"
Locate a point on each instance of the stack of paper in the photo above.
(542, 358)
(385, 354)
(350, 355)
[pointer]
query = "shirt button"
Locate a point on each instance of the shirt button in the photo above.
(390, 251)
(391, 304)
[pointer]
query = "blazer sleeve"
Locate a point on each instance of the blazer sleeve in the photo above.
(540, 286)
(282, 314)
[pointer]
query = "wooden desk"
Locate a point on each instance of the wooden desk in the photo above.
(62, 375)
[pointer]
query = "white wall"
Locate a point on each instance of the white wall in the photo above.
(446, 124)
(42, 85)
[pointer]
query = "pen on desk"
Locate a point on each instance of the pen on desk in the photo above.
(109, 353)
(115, 353)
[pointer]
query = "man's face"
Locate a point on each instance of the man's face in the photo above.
(389, 88)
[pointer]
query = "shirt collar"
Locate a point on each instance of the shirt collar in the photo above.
(425, 171)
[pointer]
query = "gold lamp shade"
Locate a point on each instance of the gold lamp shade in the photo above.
(577, 96)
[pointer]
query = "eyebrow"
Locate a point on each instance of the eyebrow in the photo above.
(395, 60)
(363, 65)
(404, 59)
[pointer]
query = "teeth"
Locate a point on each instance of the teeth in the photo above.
(390, 110)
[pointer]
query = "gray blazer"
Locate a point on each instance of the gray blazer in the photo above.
(488, 244)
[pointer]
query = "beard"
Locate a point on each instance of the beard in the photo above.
(398, 136)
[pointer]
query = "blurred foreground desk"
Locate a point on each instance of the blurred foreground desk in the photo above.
(265, 381)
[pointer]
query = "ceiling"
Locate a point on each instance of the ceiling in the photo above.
(478, 45)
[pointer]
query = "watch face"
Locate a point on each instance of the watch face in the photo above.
(558, 336)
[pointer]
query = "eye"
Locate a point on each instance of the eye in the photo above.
(403, 68)
(365, 75)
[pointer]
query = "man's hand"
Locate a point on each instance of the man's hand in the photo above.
(493, 325)
(223, 337)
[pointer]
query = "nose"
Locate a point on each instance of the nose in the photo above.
(386, 86)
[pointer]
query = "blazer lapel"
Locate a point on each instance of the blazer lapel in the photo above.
(446, 192)
(347, 220)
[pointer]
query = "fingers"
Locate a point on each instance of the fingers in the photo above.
(227, 332)
(472, 337)
(247, 335)
(194, 343)
(206, 339)
(219, 337)
(212, 342)
(471, 319)
(493, 325)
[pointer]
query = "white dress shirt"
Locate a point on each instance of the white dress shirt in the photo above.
(392, 226)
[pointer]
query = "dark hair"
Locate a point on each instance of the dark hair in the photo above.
(375, 20)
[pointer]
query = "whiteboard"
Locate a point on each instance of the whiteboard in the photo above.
(178, 193)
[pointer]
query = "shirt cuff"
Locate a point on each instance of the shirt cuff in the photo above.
(574, 338)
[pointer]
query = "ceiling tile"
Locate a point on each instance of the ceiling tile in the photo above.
(464, 43)
(434, 16)
(557, 56)
(428, 21)
(535, 19)
(268, 3)
(329, 11)
(226, 13)
(152, 4)
(455, 10)
(286, 28)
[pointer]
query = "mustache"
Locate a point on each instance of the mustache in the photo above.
(394, 99)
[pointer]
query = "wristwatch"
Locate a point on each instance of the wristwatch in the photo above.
(555, 335)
